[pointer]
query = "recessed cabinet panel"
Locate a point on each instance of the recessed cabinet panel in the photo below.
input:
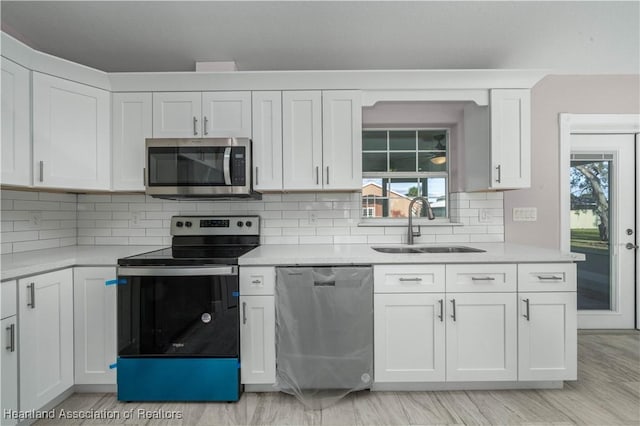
(547, 277)
(71, 144)
(9, 366)
(177, 114)
(257, 340)
(132, 118)
(226, 114)
(267, 140)
(16, 124)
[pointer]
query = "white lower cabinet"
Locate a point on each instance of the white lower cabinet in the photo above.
(9, 354)
(547, 336)
(45, 309)
(94, 311)
(409, 336)
(257, 340)
(481, 337)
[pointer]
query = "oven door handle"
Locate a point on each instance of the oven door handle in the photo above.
(175, 271)
(227, 166)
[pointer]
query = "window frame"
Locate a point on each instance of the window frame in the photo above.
(391, 221)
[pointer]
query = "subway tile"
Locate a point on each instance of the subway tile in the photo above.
(345, 222)
(485, 204)
(333, 231)
(295, 214)
(470, 230)
(157, 232)
(6, 226)
(384, 239)
(291, 239)
(68, 224)
(94, 215)
(334, 196)
(69, 241)
(112, 224)
(57, 233)
(298, 197)
(36, 205)
(486, 238)
(68, 206)
(281, 206)
(333, 214)
(95, 198)
(128, 232)
(495, 229)
(271, 231)
(94, 232)
(160, 215)
(280, 223)
(129, 198)
(86, 207)
(86, 223)
(269, 198)
(316, 240)
(10, 237)
(350, 239)
(368, 230)
(345, 205)
(86, 241)
(146, 223)
(459, 238)
(60, 215)
(145, 207)
(305, 223)
(468, 213)
(6, 248)
(270, 214)
(317, 205)
(6, 205)
(121, 207)
(472, 195)
(299, 231)
(422, 239)
(495, 196)
(395, 230)
(18, 195)
(145, 241)
(54, 196)
(35, 245)
(115, 241)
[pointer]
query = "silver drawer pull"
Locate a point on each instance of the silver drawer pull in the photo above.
(32, 293)
(410, 279)
(441, 316)
(549, 278)
(483, 279)
(244, 312)
(256, 282)
(453, 311)
(12, 338)
(526, 315)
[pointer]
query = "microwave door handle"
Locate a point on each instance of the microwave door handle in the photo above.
(227, 166)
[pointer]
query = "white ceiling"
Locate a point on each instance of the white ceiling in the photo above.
(564, 37)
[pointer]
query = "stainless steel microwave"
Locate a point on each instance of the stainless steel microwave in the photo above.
(198, 168)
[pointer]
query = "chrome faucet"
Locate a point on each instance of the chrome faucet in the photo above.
(430, 215)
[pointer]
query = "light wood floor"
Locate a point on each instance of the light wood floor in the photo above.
(607, 392)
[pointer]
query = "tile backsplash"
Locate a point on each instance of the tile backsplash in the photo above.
(34, 220)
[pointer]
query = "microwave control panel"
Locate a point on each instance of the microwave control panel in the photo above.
(238, 166)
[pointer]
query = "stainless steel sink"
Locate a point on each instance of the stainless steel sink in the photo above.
(431, 249)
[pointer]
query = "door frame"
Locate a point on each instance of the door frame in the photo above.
(594, 123)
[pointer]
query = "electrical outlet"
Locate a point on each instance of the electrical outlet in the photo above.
(485, 216)
(313, 217)
(35, 218)
(525, 214)
(135, 218)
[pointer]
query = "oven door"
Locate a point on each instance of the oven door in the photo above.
(197, 167)
(178, 312)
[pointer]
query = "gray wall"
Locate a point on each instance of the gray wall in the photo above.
(551, 96)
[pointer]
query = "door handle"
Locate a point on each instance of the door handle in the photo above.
(317, 175)
(205, 126)
(631, 246)
(41, 171)
(32, 294)
(256, 175)
(453, 314)
(327, 175)
(12, 338)
(526, 315)
(441, 316)
(227, 166)
(195, 126)
(244, 312)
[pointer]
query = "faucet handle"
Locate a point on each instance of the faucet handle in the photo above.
(416, 233)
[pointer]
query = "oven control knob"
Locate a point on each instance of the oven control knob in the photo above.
(249, 224)
(188, 224)
(239, 224)
(179, 224)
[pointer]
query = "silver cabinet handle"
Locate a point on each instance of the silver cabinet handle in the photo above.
(631, 246)
(256, 282)
(244, 312)
(483, 279)
(12, 338)
(441, 316)
(549, 277)
(526, 315)
(499, 169)
(410, 279)
(327, 175)
(41, 171)
(453, 315)
(195, 126)
(205, 126)
(317, 175)
(256, 175)
(32, 294)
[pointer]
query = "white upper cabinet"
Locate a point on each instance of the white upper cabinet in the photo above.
(226, 114)
(71, 144)
(132, 118)
(267, 140)
(198, 114)
(510, 138)
(321, 140)
(16, 126)
(342, 139)
(177, 115)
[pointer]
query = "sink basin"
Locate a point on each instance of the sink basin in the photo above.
(431, 249)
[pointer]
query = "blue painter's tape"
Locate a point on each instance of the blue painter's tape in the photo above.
(238, 364)
(112, 366)
(236, 294)
(116, 282)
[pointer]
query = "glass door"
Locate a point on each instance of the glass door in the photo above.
(603, 208)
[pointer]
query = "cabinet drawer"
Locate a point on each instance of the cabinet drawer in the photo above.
(257, 280)
(408, 279)
(481, 278)
(547, 277)
(9, 299)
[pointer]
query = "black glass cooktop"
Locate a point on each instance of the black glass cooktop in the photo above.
(188, 256)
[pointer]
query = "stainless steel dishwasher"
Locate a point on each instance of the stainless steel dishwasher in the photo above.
(324, 331)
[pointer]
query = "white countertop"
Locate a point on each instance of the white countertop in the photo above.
(17, 265)
(316, 254)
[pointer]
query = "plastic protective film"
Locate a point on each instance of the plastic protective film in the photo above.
(324, 332)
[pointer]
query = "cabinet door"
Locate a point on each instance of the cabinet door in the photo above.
(547, 336)
(71, 147)
(342, 139)
(510, 138)
(9, 361)
(16, 125)
(94, 317)
(302, 140)
(45, 338)
(177, 115)
(409, 337)
(481, 337)
(131, 126)
(257, 340)
(267, 140)
(226, 114)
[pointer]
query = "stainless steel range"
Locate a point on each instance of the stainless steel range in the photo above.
(178, 313)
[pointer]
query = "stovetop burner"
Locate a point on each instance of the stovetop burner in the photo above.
(203, 240)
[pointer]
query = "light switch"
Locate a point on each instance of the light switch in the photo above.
(525, 214)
